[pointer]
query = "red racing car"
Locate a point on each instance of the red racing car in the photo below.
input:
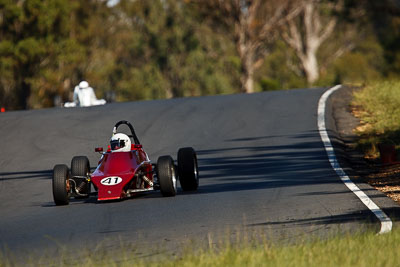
(123, 171)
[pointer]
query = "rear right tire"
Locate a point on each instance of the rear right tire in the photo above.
(188, 169)
(61, 185)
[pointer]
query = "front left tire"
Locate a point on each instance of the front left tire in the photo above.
(166, 176)
(61, 185)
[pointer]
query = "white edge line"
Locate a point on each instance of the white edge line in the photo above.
(386, 222)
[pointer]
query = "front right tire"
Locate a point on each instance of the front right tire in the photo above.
(61, 185)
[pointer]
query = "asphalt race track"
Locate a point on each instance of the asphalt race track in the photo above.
(263, 169)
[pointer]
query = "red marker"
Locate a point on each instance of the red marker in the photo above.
(3, 109)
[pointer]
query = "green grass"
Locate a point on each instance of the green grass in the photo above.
(367, 249)
(378, 106)
(361, 250)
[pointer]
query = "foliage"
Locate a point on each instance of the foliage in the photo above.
(378, 108)
(150, 49)
(170, 55)
(280, 70)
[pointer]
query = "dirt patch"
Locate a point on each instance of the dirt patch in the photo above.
(385, 179)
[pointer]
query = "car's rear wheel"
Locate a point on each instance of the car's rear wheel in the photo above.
(166, 176)
(61, 185)
(80, 166)
(188, 169)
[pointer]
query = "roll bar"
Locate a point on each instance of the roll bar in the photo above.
(133, 135)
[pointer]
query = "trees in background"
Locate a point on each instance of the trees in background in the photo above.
(253, 26)
(32, 36)
(149, 49)
(306, 33)
(329, 42)
(384, 17)
(166, 53)
(45, 47)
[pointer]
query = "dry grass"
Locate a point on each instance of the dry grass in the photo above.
(364, 249)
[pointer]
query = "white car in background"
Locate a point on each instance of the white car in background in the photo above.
(84, 96)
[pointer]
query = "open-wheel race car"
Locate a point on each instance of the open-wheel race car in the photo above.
(123, 171)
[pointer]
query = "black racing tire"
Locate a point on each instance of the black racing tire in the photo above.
(166, 176)
(61, 185)
(188, 170)
(80, 166)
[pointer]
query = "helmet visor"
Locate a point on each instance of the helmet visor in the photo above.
(117, 144)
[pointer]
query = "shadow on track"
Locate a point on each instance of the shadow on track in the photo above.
(362, 216)
(45, 174)
(249, 167)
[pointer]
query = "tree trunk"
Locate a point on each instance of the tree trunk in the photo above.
(313, 40)
(310, 66)
(23, 94)
(169, 93)
(246, 53)
(247, 79)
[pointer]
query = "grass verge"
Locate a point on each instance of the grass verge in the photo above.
(378, 107)
(367, 249)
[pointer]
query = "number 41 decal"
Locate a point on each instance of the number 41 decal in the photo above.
(112, 180)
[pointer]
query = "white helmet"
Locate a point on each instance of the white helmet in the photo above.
(120, 143)
(83, 84)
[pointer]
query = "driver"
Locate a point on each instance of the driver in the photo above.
(120, 143)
